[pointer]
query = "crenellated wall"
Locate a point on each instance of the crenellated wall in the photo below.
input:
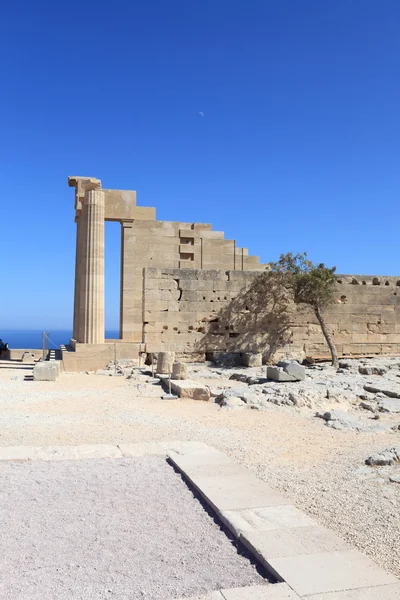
(233, 311)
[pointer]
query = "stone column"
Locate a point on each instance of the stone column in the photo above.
(78, 260)
(91, 282)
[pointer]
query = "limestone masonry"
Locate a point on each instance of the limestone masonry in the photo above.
(185, 288)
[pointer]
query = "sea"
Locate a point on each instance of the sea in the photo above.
(33, 339)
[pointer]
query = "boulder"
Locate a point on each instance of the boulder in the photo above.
(278, 374)
(389, 406)
(395, 476)
(392, 391)
(252, 359)
(232, 402)
(179, 371)
(390, 456)
(239, 377)
(28, 357)
(165, 361)
(287, 370)
(372, 370)
(295, 370)
(368, 406)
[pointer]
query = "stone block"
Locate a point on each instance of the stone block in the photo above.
(267, 518)
(45, 371)
(252, 359)
(165, 361)
(295, 370)
(230, 492)
(309, 574)
(179, 371)
(283, 542)
(191, 389)
(205, 464)
(381, 592)
(276, 591)
(278, 374)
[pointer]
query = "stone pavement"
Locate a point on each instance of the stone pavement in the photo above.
(309, 561)
(313, 562)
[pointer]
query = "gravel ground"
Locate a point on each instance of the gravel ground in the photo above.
(115, 528)
(320, 469)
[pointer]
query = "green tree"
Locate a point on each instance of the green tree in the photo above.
(310, 284)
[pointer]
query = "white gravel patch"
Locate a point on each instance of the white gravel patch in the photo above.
(113, 528)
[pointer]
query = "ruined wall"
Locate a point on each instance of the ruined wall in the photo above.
(171, 245)
(233, 311)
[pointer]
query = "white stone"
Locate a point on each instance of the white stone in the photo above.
(311, 574)
(276, 591)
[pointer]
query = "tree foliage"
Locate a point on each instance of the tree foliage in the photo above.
(311, 284)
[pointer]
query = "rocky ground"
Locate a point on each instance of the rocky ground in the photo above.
(310, 439)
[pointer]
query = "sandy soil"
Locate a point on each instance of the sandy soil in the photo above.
(320, 469)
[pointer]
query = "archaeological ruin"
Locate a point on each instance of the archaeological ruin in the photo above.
(186, 288)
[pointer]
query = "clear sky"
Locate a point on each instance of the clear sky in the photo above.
(277, 121)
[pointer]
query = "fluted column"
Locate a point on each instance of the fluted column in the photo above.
(91, 283)
(78, 262)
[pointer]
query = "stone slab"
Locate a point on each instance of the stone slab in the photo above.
(382, 592)
(180, 448)
(276, 591)
(230, 492)
(206, 465)
(142, 449)
(59, 452)
(267, 518)
(287, 542)
(329, 572)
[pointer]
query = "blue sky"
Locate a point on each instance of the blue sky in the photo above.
(298, 148)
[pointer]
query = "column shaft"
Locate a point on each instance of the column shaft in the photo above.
(75, 331)
(91, 285)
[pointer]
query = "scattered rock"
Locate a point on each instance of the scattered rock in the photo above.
(390, 456)
(278, 374)
(389, 406)
(395, 476)
(344, 365)
(372, 370)
(340, 419)
(391, 392)
(368, 406)
(239, 377)
(295, 370)
(340, 395)
(231, 402)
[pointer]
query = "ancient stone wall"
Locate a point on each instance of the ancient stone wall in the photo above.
(175, 245)
(234, 311)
